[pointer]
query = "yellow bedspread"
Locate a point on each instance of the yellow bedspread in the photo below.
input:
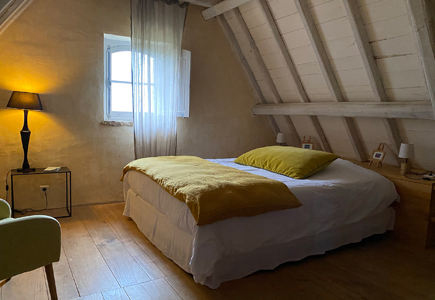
(214, 192)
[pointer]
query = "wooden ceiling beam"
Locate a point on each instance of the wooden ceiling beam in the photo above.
(275, 97)
(403, 109)
(205, 3)
(328, 73)
(11, 11)
(365, 49)
(246, 68)
(292, 69)
(221, 8)
(419, 17)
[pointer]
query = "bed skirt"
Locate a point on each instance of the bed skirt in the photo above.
(177, 244)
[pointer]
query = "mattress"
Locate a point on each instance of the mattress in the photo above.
(342, 196)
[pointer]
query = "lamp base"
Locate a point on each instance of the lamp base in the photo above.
(26, 170)
(405, 168)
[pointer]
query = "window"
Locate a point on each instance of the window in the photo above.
(118, 104)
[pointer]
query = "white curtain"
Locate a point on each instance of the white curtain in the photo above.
(156, 32)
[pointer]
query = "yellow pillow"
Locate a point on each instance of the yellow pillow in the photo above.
(294, 162)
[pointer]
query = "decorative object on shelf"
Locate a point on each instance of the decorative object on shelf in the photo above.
(307, 144)
(26, 101)
(280, 138)
(406, 151)
(378, 155)
(52, 169)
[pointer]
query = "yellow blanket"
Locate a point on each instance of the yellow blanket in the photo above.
(214, 192)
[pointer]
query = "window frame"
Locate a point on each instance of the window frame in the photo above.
(122, 43)
(113, 44)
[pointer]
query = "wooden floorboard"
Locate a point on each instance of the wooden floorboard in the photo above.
(122, 264)
(189, 289)
(118, 294)
(380, 273)
(30, 285)
(113, 214)
(156, 289)
(342, 281)
(90, 271)
(278, 284)
(144, 260)
(91, 297)
(66, 286)
(106, 257)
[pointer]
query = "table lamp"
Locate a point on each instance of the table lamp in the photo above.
(406, 151)
(280, 138)
(26, 101)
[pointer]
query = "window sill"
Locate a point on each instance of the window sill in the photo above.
(117, 123)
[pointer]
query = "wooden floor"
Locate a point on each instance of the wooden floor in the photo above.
(104, 256)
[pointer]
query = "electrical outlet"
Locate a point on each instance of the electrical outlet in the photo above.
(44, 188)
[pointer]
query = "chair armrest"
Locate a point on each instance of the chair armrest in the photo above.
(28, 243)
(5, 210)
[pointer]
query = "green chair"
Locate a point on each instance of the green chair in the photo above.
(28, 243)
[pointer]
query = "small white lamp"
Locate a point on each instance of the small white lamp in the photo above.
(280, 138)
(406, 151)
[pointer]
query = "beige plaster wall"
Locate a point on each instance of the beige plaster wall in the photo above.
(220, 122)
(55, 48)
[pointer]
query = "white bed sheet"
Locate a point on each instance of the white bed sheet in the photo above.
(342, 194)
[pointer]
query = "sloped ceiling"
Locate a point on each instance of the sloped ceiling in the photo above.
(10, 10)
(3, 4)
(387, 39)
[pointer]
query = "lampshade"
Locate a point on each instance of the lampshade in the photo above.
(23, 100)
(406, 151)
(280, 138)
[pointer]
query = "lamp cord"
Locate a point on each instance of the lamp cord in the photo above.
(419, 174)
(24, 211)
(412, 178)
(7, 186)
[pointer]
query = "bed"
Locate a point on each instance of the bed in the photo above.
(342, 204)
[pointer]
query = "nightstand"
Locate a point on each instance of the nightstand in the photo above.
(40, 171)
(421, 192)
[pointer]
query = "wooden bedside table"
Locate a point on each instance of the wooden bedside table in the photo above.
(420, 191)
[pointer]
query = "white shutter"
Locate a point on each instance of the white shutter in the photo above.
(184, 94)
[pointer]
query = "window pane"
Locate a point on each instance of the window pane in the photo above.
(145, 69)
(121, 97)
(147, 102)
(152, 69)
(121, 66)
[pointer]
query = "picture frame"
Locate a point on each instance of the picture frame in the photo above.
(307, 144)
(378, 155)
